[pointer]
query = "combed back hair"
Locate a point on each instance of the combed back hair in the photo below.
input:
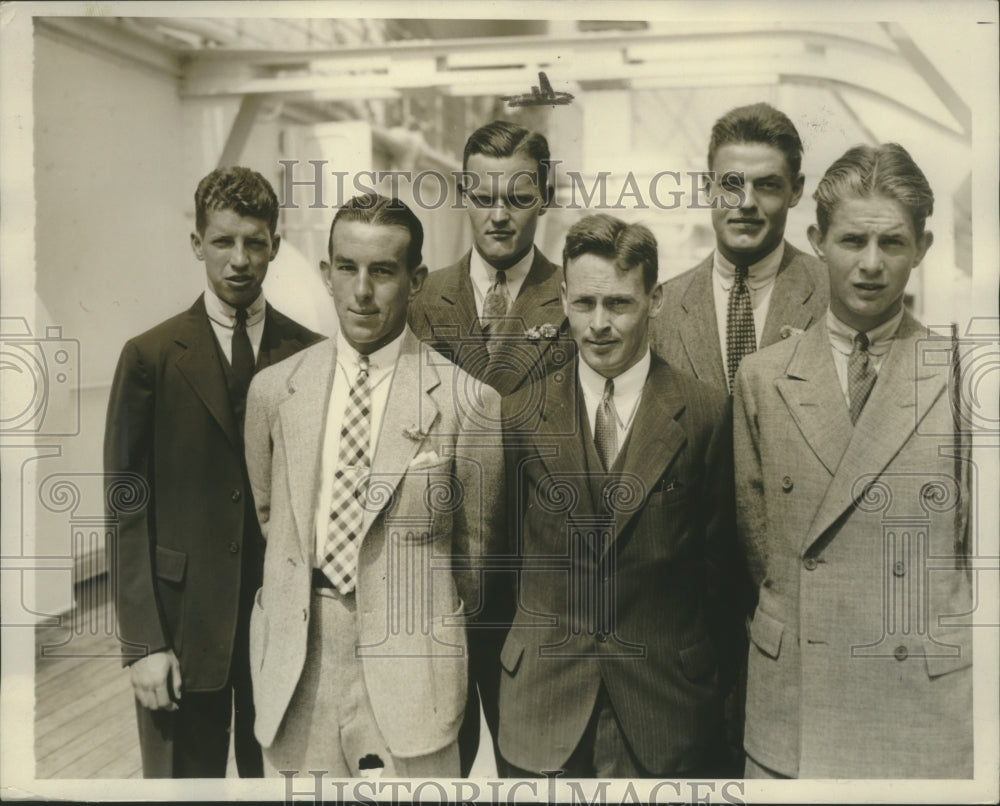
(867, 171)
(501, 139)
(374, 208)
(239, 189)
(631, 246)
(758, 123)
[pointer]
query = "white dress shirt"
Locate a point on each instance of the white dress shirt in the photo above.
(483, 276)
(381, 368)
(628, 393)
(222, 315)
(842, 341)
(760, 281)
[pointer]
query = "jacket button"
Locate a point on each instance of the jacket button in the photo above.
(810, 563)
(602, 636)
(901, 653)
(305, 614)
(236, 496)
(787, 484)
(899, 569)
(234, 547)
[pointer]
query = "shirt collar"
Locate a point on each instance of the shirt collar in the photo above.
(383, 359)
(628, 384)
(759, 274)
(879, 338)
(483, 274)
(222, 313)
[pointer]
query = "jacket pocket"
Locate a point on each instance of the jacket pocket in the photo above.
(698, 660)
(766, 632)
(170, 564)
(510, 655)
(948, 652)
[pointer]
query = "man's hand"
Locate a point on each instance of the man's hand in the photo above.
(152, 680)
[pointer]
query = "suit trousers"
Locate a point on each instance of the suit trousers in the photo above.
(193, 741)
(329, 724)
(602, 752)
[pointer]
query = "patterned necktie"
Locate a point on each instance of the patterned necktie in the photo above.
(860, 376)
(340, 556)
(497, 300)
(242, 352)
(741, 340)
(606, 427)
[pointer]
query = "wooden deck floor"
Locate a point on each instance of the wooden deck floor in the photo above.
(84, 709)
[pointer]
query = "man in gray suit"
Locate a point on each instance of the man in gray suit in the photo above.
(755, 288)
(376, 467)
(628, 606)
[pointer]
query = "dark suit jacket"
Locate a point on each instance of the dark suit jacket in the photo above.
(686, 332)
(860, 664)
(179, 558)
(640, 593)
(444, 315)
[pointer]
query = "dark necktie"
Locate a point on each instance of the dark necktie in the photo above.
(860, 376)
(606, 427)
(242, 352)
(741, 340)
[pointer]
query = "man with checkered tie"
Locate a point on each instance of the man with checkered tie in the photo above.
(376, 467)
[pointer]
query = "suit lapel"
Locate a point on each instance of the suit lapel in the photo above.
(395, 449)
(906, 388)
(199, 364)
(537, 303)
(792, 289)
(811, 391)
(699, 329)
(655, 440)
(559, 440)
(276, 342)
(456, 305)
(303, 416)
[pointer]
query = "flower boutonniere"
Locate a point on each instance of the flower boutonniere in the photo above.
(548, 331)
(788, 330)
(413, 432)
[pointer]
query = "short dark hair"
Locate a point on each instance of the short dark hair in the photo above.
(501, 139)
(629, 245)
(866, 171)
(758, 123)
(376, 209)
(242, 190)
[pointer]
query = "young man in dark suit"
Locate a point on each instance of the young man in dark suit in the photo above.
(478, 310)
(755, 288)
(188, 562)
(496, 313)
(616, 662)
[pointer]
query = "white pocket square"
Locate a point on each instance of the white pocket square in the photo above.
(424, 459)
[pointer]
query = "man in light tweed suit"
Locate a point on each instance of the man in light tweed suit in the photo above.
(376, 467)
(852, 504)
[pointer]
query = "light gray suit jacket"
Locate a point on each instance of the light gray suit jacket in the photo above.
(424, 528)
(860, 660)
(686, 332)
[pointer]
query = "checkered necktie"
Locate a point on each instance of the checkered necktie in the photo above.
(741, 340)
(860, 376)
(606, 427)
(340, 556)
